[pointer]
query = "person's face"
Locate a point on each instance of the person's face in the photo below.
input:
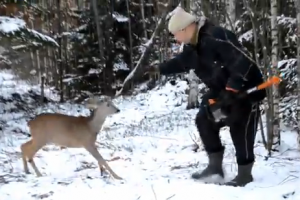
(182, 36)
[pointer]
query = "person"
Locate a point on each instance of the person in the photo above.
(226, 69)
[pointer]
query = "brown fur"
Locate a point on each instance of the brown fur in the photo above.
(68, 131)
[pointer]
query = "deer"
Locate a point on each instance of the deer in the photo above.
(69, 131)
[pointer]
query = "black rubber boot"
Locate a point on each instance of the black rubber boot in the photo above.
(214, 167)
(243, 177)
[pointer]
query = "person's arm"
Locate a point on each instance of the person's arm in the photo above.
(180, 63)
(232, 55)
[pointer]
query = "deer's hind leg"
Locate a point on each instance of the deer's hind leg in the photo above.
(101, 162)
(29, 149)
(24, 147)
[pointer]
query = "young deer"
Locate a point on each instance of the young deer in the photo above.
(69, 131)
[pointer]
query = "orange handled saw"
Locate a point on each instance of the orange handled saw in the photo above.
(216, 106)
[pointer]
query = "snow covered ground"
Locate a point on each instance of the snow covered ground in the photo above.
(149, 135)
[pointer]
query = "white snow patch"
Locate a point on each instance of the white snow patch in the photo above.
(247, 36)
(9, 84)
(120, 66)
(95, 71)
(149, 42)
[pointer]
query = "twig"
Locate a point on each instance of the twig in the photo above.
(170, 197)
(262, 132)
(162, 138)
(287, 179)
(230, 22)
(196, 145)
(155, 197)
(113, 159)
(184, 166)
(193, 138)
(224, 41)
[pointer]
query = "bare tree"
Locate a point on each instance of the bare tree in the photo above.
(142, 5)
(59, 36)
(207, 9)
(99, 30)
(130, 33)
(275, 140)
(297, 2)
(255, 27)
(259, 37)
(230, 14)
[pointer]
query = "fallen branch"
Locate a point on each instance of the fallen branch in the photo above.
(195, 145)
(155, 197)
(170, 197)
(184, 166)
(113, 159)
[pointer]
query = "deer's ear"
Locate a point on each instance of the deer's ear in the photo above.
(105, 99)
(91, 106)
(91, 103)
(92, 100)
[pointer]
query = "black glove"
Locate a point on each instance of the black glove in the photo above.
(227, 99)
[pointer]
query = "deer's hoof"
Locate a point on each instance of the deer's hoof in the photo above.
(39, 175)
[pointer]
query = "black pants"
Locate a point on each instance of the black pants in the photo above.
(242, 121)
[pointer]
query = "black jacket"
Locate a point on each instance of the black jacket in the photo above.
(219, 63)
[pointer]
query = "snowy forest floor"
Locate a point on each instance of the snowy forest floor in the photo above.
(149, 135)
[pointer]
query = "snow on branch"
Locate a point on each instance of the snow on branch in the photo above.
(11, 25)
(42, 37)
(15, 27)
(119, 17)
(4, 59)
(286, 22)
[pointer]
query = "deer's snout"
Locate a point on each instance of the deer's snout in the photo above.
(118, 111)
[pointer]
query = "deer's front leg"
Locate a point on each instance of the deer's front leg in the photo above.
(101, 162)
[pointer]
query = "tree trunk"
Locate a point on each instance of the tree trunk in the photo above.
(298, 67)
(99, 30)
(100, 36)
(206, 7)
(193, 94)
(254, 28)
(274, 35)
(143, 18)
(65, 42)
(59, 37)
(230, 14)
(130, 35)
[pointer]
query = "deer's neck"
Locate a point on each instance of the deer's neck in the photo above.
(96, 121)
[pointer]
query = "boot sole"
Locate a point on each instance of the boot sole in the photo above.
(213, 179)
